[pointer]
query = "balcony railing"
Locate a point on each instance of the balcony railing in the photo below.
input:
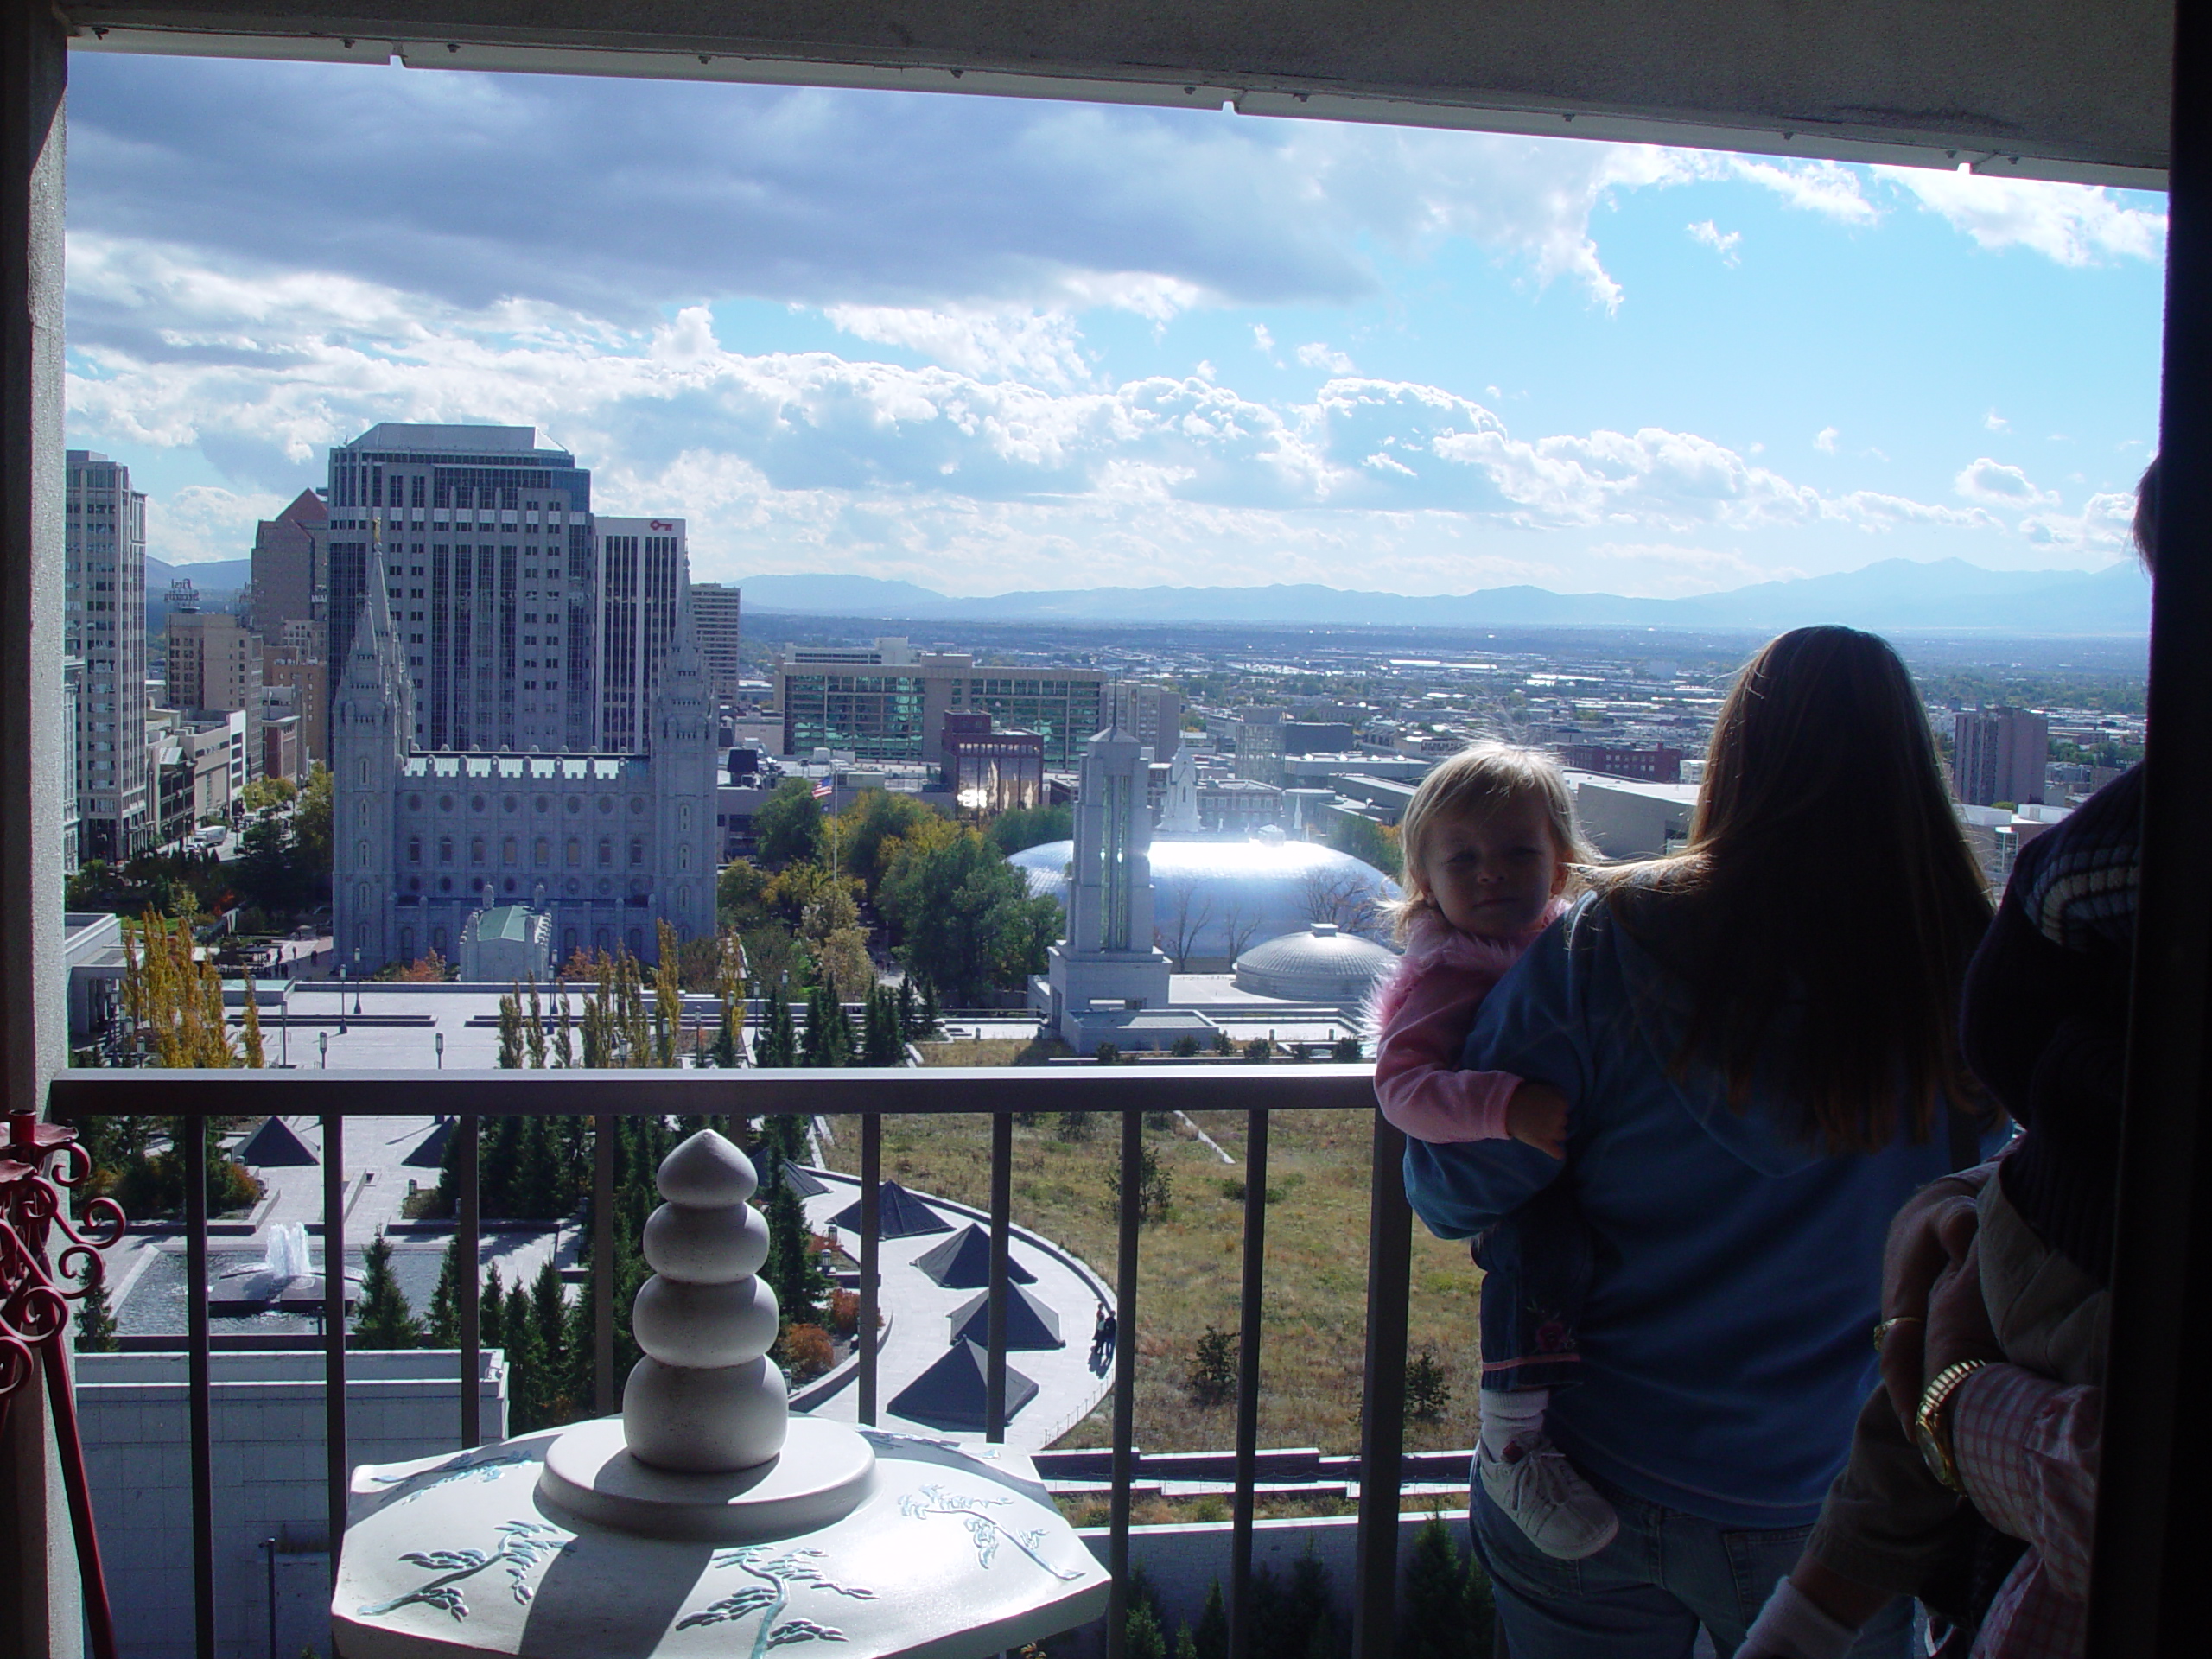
(869, 1095)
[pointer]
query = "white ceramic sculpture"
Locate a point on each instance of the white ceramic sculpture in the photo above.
(705, 1447)
(705, 1398)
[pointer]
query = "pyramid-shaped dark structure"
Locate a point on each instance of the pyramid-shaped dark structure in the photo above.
(273, 1145)
(904, 1216)
(803, 1182)
(951, 1393)
(430, 1152)
(964, 1261)
(1029, 1323)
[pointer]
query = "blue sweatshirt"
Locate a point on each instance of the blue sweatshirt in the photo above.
(1724, 1343)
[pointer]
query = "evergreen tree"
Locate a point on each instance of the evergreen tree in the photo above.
(548, 1310)
(883, 1042)
(1447, 1600)
(777, 1045)
(526, 1372)
(441, 1324)
(929, 1009)
(383, 1320)
(910, 1011)
(539, 1188)
(510, 1032)
(533, 1030)
(95, 1322)
(491, 1314)
(791, 1269)
(1144, 1640)
(1210, 1639)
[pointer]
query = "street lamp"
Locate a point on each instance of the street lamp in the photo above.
(356, 980)
(441, 1040)
(322, 1042)
(341, 998)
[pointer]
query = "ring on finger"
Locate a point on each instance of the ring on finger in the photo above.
(1882, 1330)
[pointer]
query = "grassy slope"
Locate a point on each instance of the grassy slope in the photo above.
(1314, 1323)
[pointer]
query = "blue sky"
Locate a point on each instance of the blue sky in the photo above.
(990, 344)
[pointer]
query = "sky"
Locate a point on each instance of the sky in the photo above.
(991, 344)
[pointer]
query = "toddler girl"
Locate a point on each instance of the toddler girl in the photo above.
(1490, 843)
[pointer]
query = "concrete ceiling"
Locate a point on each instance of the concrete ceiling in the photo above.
(2068, 89)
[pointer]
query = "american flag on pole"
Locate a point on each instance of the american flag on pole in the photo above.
(822, 790)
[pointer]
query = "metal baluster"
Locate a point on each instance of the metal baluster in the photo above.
(871, 1237)
(199, 1383)
(334, 1329)
(1383, 1394)
(1247, 1382)
(469, 1290)
(1002, 1207)
(604, 1401)
(1125, 1387)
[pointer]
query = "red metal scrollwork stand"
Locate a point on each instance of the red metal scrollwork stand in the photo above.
(38, 1162)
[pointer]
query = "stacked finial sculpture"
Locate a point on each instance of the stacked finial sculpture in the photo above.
(705, 1398)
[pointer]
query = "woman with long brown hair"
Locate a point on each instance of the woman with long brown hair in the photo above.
(1759, 1041)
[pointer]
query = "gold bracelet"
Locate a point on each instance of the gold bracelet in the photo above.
(1883, 1329)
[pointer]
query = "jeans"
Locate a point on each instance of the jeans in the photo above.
(1645, 1594)
(1537, 1264)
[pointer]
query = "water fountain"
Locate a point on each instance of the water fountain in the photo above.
(285, 1281)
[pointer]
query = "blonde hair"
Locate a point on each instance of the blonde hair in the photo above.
(1481, 779)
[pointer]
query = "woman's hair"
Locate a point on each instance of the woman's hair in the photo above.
(1826, 907)
(2146, 517)
(1481, 779)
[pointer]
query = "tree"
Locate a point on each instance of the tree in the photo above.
(828, 1037)
(668, 999)
(787, 826)
(739, 895)
(1210, 1639)
(777, 1045)
(876, 816)
(791, 1269)
(510, 1030)
(1367, 841)
(1426, 1392)
(1447, 1609)
(882, 1041)
(95, 1322)
(965, 915)
(384, 1319)
(1031, 826)
(1185, 908)
(1213, 1367)
(442, 1323)
(1155, 1187)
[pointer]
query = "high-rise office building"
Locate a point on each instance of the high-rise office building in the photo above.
(481, 545)
(640, 574)
(888, 702)
(291, 568)
(213, 662)
(715, 613)
(104, 624)
(1998, 754)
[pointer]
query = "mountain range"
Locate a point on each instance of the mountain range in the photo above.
(1945, 595)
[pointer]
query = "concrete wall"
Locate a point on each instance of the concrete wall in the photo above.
(270, 1481)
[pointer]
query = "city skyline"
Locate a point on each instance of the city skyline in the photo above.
(992, 344)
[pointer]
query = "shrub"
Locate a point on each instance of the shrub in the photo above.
(1213, 1367)
(1108, 1055)
(1186, 1047)
(1260, 1051)
(1426, 1392)
(845, 1312)
(1155, 1187)
(1077, 1126)
(1448, 1611)
(1347, 1052)
(806, 1352)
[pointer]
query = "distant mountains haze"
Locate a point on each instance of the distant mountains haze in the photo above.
(1945, 595)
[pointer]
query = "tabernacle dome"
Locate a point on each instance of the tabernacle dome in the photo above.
(1214, 900)
(1323, 964)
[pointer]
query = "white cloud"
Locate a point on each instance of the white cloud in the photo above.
(1828, 188)
(1040, 347)
(201, 522)
(1263, 341)
(1996, 422)
(1994, 483)
(1824, 440)
(1663, 570)
(1723, 243)
(2072, 224)
(1321, 355)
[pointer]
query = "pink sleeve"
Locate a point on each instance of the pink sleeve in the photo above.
(2027, 1450)
(1417, 1075)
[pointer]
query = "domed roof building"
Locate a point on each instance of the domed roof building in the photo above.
(1324, 964)
(1213, 901)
